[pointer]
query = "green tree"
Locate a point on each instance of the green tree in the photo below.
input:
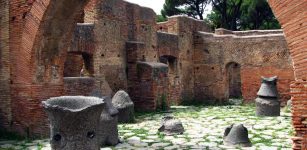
(242, 15)
(257, 15)
(160, 18)
(193, 8)
(226, 13)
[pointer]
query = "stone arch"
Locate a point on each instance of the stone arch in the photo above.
(46, 34)
(56, 26)
(292, 17)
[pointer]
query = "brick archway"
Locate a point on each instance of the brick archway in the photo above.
(47, 28)
(292, 15)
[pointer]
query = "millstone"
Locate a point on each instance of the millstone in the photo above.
(268, 87)
(108, 124)
(236, 135)
(267, 103)
(125, 106)
(267, 107)
(171, 126)
(108, 131)
(74, 122)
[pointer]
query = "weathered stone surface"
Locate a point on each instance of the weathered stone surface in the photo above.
(171, 126)
(124, 105)
(35, 37)
(203, 126)
(108, 131)
(74, 122)
(108, 124)
(268, 87)
(267, 103)
(236, 135)
(267, 107)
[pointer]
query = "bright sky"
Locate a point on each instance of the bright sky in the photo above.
(157, 5)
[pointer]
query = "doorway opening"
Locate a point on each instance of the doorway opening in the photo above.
(78, 65)
(233, 79)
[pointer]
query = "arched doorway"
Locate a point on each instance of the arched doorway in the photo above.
(233, 79)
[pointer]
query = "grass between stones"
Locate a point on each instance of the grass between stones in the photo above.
(204, 129)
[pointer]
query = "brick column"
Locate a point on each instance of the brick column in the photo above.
(292, 15)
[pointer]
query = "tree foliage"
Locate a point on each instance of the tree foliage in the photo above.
(228, 14)
(193, 8)
(160, 18)
(257, 15)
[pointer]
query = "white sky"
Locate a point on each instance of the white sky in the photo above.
(157, 5)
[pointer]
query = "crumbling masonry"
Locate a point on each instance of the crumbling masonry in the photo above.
(118, 45)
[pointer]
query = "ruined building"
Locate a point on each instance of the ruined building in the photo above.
(54, 48)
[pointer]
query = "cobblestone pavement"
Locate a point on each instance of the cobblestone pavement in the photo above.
(204, 128)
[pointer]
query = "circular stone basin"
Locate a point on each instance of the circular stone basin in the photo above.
(72, 103)
(74, 122)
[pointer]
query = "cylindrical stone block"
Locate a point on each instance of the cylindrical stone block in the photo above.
(267, 107)
(74, 122)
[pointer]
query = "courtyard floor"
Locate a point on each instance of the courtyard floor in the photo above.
(204, 129)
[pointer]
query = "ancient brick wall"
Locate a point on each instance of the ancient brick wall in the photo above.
(73, 65)
(170, 26)
(79, 60)
(151, 86)
(258, 55)
(39, 34)
(79, 86)
(117, 22)
(83, 39)
(36, 36)
(168, 53)
(292, 16)
(184, 28)
(5, 99)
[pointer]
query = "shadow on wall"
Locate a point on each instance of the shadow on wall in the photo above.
(78, 65)
(233, 80)
(173, 75)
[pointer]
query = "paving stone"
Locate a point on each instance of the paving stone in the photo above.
(204, 129)
(129, 134)
(171, 147)
(7, 142)
(106, 148)
(268, 148)
(157, 145)
(140, 144)
(18, 147)
(32, 148)
(46, 148)
(267, 137)
(134, 140)
(152, 137)
(6, 146)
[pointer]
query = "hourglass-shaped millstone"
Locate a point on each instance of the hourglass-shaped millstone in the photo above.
(267, 103)
(268, 87)
(236, 135)
(74, 122)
